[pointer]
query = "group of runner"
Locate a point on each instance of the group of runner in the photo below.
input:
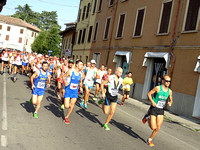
(72, 78)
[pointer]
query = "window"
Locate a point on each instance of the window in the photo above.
(8, 28)
(7, 38)
(192, 15)
(166, 13)
(32, 34)
(0, 27)
(139, 22)
(83, 16)
(20, 40)
(95, 3)
(79, 38)
(100, 3)
(107, 26)
(95, 31)
(79, 15)
(86, 59)
(35, 34)
(90, 34)
(83, 37)
(21, 31)
(26, 41)
(88, 10)
(111, 3)
(120, 25)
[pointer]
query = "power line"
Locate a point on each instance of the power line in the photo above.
(57, 4)
(57, 18)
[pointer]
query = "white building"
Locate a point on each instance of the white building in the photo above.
(16, 33)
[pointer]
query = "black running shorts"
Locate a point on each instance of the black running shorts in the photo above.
(156, 111)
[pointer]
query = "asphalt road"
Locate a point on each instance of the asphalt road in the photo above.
(20, 131)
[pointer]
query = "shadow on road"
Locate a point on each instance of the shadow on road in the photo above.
(29, 107)
(127, 129)
(89, 115)
(55, 110)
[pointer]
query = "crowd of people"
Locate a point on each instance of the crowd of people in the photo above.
(73, 79)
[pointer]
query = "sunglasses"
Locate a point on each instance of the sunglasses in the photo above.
(167, 81)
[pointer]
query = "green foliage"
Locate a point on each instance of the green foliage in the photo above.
(49, 38)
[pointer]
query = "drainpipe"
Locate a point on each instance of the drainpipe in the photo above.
(173, 40)
(112, 27)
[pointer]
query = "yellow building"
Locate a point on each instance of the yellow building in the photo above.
(68, 36)
(151, 38)
(85, 29)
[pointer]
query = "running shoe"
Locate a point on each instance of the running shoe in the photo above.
(150, 143)
(144, 119)
(62, 107)
(66, 120)
(100, 101)
(95, 98)
(122, 104)
(82, 103)
(35, 115)
(85, 106)
(30, 101)
(105, 126)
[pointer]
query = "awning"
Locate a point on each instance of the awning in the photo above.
(122, 53)
(197, 67)
(166, 56)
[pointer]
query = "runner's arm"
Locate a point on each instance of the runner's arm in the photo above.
(97, 74)
(102, 87)
(35, 75)
(68, 75)
(154, 90)
(170, 98)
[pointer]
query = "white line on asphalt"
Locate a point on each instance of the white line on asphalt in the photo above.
(162, 131)
(4, 114)
(3, 141)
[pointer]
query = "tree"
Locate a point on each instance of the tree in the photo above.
(47, 40)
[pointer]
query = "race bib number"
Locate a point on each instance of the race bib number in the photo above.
(161, 104)
(41, 85)
(73, 86)
(114, 92)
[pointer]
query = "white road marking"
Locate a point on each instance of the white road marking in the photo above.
(161, 131)
(3, 141)
(4, 113)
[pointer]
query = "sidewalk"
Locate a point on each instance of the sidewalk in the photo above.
(183, 121)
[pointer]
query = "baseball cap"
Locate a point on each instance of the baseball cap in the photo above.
(70, 61)
(93, 61)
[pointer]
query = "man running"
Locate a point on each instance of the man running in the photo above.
(5, 59)
(90, 74)
(98, 81)
(72, 79)
(127, 87)
(111, 95)
(38, 82)
(158, 102)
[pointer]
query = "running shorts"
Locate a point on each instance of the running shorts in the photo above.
(156, 111)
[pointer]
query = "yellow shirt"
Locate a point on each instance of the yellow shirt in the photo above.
(126, 83)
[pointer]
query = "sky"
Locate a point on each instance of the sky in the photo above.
(67, 10)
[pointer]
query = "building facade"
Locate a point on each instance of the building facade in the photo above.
(85, 29)
(68, 37)
(16, 33)
(151, 38)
